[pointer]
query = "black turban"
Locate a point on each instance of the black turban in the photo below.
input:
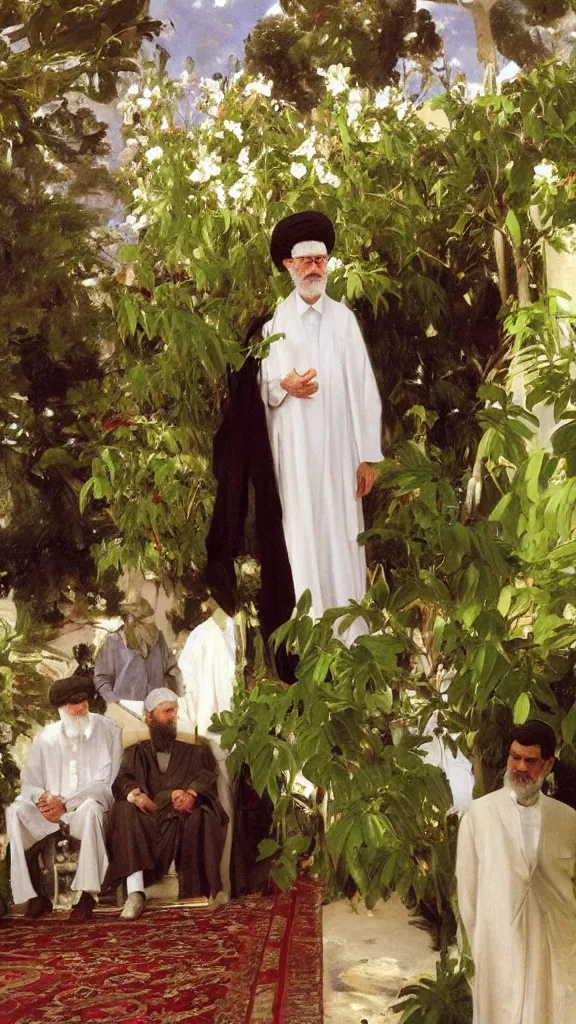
(308, 226)
(73, 690)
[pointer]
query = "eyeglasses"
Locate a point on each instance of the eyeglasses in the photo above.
(309, 261)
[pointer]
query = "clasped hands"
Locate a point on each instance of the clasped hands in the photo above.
(182, 800)
(51, 807)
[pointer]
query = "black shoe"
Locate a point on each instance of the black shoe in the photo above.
(38, 907)
(83, 909)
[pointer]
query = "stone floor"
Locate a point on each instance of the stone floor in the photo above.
(368, 956)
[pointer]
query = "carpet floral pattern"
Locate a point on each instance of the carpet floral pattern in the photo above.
(257, 960)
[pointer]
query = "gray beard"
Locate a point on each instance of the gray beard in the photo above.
(75, 726)
(526, 793)
(308, 290)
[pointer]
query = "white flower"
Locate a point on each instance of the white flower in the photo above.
(213, 87)
(137, 193)
(334, 264)
(336, 78)
(144, 102)
(298, 170)
(455, 63)
(382, 99)
(207, 167)
(243, 159)
(220, 193)
(260, 86)
(410, 36)
(354, 105)
(371, 134)
(153, 154)
(243, 189)
(546, 173)
(308, 147)
(132, 90)
(164, 126)
(324, 175)
(236, 128)
(403, 110)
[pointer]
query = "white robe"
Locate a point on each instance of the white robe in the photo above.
(82, 774)
(519, 911)
(317, 445)
(208, 667)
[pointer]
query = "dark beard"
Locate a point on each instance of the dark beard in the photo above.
(162, 734)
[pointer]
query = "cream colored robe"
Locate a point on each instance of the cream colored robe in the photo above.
(520, 922)
(317, 445)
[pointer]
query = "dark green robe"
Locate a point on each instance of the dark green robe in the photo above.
(150, 842)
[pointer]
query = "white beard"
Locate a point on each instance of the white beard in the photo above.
(526, 792)
(309, 290)
(75, 726)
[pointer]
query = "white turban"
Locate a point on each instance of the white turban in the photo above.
(161, 695)
(309, 249)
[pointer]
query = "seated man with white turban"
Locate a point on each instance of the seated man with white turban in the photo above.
(68, 778)
(166, 809)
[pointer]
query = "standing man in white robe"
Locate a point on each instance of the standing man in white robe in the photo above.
(68, 778)
(515, 865)
(324, 420)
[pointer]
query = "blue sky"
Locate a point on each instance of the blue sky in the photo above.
(212, 31)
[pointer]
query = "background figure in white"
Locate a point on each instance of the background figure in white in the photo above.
(68, 778)
(208, 667)
(457, 769)
(514, 869)
(323, 413)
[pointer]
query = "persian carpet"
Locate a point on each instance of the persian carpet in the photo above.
(256, 960)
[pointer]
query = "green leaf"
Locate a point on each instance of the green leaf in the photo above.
(267, 848)
(569, 726)
(522, 709)
(513, 227)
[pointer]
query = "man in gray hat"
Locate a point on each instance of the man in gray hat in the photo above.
(166, 809)
(323, 413)
(68, 778)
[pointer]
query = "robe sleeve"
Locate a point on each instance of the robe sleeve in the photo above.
(127, 778)
(467, 876)
(273, 394)
(203, 772)
(105, 672)
(365, 402)
(33, 776)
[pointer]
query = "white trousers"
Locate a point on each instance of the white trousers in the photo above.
(26, 826)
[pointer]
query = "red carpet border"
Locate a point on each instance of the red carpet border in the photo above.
(257, 960)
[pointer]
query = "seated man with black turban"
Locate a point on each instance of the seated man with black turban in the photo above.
(166, 809)
(68, 778)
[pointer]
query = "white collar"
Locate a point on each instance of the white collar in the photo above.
(303, 306)
(514, 798)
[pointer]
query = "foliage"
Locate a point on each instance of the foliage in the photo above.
(54, 61)
(208, 168)
(383, 811)
(22, 701)
(369, 37)
(445, 999)
(472, 592)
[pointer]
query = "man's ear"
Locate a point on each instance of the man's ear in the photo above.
(548, 765)
(288, 263)
(147, 717)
